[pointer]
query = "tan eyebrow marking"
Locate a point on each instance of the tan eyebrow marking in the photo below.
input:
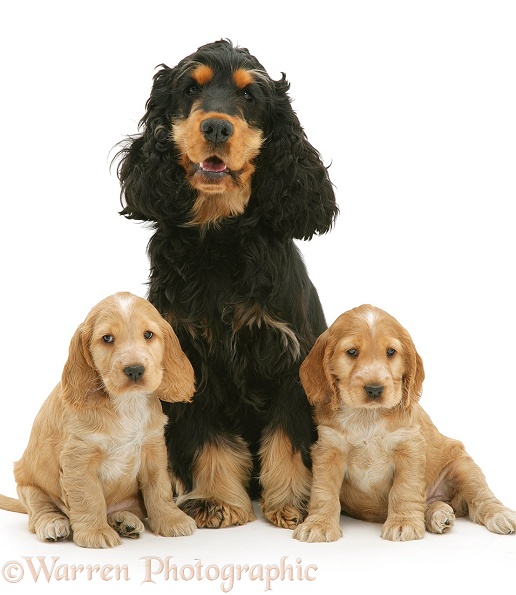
(242, 78)
(202, 74)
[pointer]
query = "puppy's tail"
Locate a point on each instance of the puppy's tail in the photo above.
(11, 504)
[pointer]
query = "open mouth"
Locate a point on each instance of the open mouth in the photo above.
(214, 166)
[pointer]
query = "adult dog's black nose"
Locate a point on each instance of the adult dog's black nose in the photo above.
(216, 130)
(374, 390)
(134, 372)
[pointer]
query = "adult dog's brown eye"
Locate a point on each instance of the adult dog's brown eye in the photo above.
(148, 335)
(352, 352)
(390, 352)
(108, 339)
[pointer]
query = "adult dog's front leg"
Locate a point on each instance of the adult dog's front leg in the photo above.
(285, 464)
(285, 480)
(221, 473)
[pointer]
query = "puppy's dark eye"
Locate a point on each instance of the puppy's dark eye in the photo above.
(148, 335)
(390, 352)
(108, 339)
(247, 96)
(352, 352)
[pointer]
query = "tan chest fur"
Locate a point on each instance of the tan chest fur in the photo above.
(369, 446)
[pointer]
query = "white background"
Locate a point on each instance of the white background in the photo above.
(413, 104)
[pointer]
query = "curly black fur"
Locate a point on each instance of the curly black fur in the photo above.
(236, 291)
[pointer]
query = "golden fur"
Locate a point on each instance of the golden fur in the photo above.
(379, 457)
(96, 462)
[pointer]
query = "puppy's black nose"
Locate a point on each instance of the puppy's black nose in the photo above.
(216, 130)
(373, 390)
(134, 372)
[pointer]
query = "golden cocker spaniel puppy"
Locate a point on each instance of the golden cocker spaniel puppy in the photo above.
(96, 462)
(379, 457)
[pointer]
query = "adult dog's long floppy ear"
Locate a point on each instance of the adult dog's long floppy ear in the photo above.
(148, 167)
(81, 384)
(291, 186)
(178, 382)
(414, 374)
(315, 373)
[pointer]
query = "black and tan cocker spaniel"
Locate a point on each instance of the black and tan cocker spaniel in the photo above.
(226, 175)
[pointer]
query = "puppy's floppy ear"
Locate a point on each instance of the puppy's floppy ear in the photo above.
(292, 188)
(414, 374)
(178, 382)
(315, 373)
(81, 384)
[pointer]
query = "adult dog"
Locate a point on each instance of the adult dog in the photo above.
(96, 463)
(379, 457)
(226, 175)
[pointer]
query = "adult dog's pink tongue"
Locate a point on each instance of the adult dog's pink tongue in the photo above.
(213, 164)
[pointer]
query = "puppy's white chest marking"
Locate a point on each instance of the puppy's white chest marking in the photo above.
(122, 458)
(370, 448)
(122, 447)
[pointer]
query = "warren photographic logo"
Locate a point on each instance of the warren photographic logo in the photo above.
(155, 570)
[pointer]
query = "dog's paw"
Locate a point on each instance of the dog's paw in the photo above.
(439, 517)
(315, 531)
(287, 517)
(126, 524)
(403, 529)
(173, 524)
(214, 514)
(96, 538)
(502, 522)
(53, 528)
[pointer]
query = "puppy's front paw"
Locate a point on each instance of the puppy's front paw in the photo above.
(174, 524)
(314, 531)
(97, 538)
(53, 528)
(402, 529)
